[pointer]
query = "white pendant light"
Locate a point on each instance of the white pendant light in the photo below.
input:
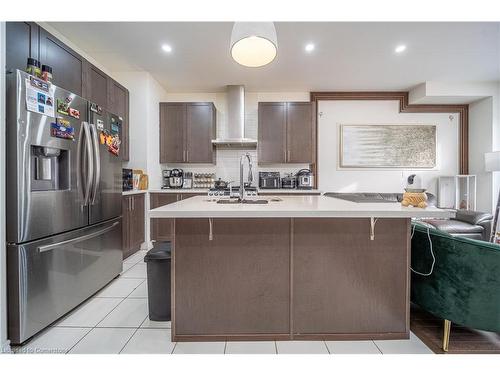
(254, 44)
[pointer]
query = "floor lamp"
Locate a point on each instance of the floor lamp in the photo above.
(492, 164)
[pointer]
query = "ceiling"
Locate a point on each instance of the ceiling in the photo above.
(348, 56)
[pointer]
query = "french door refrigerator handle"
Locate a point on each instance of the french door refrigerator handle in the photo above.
(84, 190)
(90, 164)
(44, 248)
(79, 161)
(97, 162)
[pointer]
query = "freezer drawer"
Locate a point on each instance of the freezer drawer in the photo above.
(48, 278)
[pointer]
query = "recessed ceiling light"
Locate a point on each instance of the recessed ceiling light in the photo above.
(166, 48)
(400, 48)
(309, 47)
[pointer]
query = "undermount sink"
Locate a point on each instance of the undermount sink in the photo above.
(245, 201)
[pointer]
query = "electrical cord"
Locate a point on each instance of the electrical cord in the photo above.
(432, 253)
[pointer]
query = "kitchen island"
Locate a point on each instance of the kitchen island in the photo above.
(295, 268)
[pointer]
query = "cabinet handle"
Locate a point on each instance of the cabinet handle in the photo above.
(133, 203)
(288, 156)
(187, 155)
(210, 234)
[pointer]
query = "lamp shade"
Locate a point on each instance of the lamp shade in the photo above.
(492, 161)
(254, 44)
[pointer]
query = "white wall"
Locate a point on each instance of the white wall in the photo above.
(227, 160)
(139, 123)
(480, 142)
(3, 273)
(145, 95)
(334, 113)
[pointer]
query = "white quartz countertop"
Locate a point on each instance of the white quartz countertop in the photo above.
(292, 206)
(132, 192)
(205, 191)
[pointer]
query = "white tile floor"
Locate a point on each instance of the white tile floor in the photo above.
(115, 321)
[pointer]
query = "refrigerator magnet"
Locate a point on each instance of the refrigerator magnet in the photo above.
(99, 124)
(114, 146)
(62, 107)
(102, 138)
(74, 113)
(115, 128)
(39, 101)
(59, 131)
(96, 108)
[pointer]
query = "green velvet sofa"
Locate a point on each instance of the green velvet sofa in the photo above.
(464, 287)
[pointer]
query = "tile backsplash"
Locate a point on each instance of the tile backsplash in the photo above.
(228, 165)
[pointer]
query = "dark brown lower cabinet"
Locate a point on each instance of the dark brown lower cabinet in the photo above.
(235, 284)
(344, 283)
(290, 278)
(162, 229)
(133, 211)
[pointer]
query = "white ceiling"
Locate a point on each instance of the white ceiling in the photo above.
(348, 56)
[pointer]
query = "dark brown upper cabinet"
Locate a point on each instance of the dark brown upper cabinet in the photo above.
(21, 42)
(186, 132)
(118, 104)
(271, 146)
(67, 65)
(287, 133)
(172, 124)
(95, 85)
(300, 132)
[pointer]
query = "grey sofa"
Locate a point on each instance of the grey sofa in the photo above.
(470, 224)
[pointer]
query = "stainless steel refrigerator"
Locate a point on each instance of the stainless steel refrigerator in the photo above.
(63, 203)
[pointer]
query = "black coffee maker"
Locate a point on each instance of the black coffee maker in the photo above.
(176, 178)
(166, 178)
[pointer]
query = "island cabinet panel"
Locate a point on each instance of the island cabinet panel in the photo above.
(346, 284)
(236, 284)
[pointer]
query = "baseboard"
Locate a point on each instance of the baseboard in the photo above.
(146, 245)
(5, 348)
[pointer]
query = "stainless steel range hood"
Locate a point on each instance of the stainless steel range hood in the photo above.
(234, 132)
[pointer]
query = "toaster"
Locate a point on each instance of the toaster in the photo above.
(269, 180)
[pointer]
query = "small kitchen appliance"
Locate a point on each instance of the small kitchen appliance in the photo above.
(305, 179)
(289, 182)
(128, 180)
(176, 178)
(269, 180)
(166, 178)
